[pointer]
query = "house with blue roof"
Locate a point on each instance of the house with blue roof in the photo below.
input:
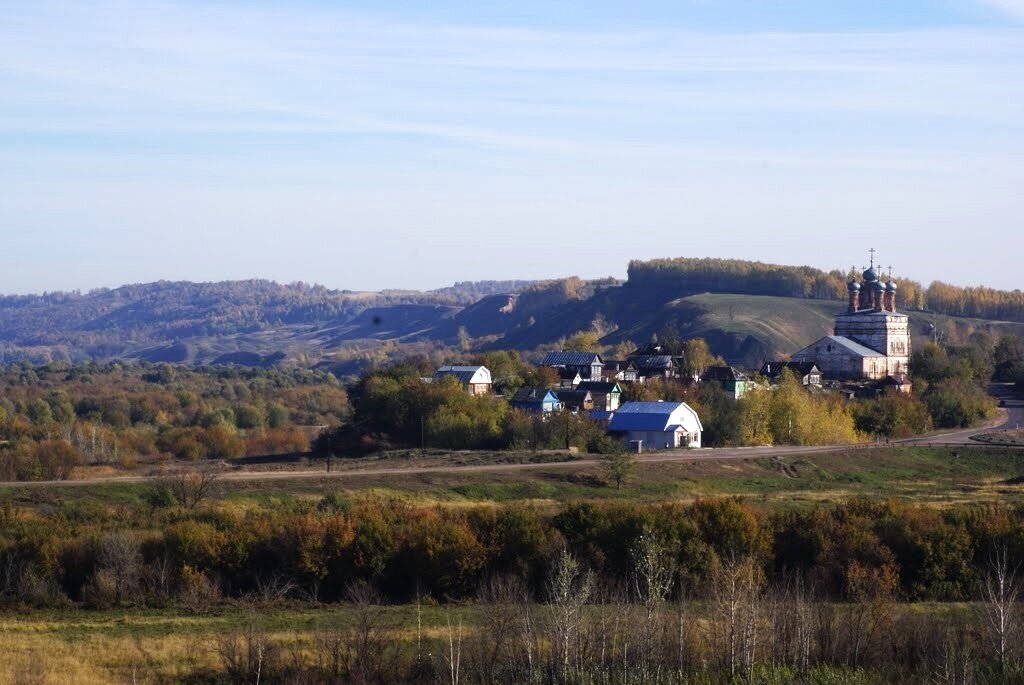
(656, 425)
(536, 400)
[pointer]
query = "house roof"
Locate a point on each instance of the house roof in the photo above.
(534, 396)
(722, 373)
(465, 374)
(603, 387)
(567, 374)
(652, 416)
(574, 396)
(652, 361)
(775, 369)
(571, 359)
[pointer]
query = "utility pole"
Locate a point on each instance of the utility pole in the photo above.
(329, 451)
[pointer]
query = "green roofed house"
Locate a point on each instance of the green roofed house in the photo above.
(606, 394)
(735, 383)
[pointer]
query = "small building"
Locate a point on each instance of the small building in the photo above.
(569, 378)
(734, 382)
(807, 373)
(606, 394)
(620, 370)
(657, 425)
(587, 364)
(475, 379)
(654, 361)
(894, 383)
(575, 400)
(536, 400)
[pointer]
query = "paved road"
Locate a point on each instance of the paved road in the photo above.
(1011, 416)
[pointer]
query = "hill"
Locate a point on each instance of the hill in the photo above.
(747, 311)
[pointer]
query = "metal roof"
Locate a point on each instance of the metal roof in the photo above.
(599, 386)
(465, 374)
(534, 396)
(570, 359)
(652, 361)
(649, 416)
(774, 369)
(722, 373)
(851, 345)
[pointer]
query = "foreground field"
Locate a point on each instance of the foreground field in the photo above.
(175, 645)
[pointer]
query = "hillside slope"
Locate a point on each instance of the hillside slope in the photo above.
(754, 312)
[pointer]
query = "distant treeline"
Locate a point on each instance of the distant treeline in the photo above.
(693, 275)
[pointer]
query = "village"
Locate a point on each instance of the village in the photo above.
(867, 356)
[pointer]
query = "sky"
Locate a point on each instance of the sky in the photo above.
(402, 144)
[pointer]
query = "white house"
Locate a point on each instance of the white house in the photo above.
(475, 379)
(657, 425)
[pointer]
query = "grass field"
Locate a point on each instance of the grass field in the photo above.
(927, 475)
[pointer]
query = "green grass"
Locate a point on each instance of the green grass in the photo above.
(928, 475)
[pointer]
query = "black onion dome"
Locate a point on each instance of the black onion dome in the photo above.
(870, 275)
(853, 286)
(891, 286)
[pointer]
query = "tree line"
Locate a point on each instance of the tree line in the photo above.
(714, 591)
(696, 275)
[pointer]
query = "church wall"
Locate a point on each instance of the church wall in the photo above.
(842, 364)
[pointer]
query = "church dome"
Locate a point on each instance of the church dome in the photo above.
(879, 286)
(853, 286)
(870, 275)
(891, 286)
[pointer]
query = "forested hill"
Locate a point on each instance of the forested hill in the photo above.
(748, 311)
(107, 323)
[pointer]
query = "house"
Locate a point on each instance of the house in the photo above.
(620, 370)
(657, 425)
(807, 373)
(606, 394)
(587, 364)
(653, 361)
(654, 365)
(569, 378)
(735, 383)
(894, 383)
(536, 400)
(475, 379)
(576, 400)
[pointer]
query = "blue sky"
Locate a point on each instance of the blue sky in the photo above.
(410, 144)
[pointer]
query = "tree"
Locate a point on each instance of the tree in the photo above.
(569, 589)
(583, 341)
(189, 488)
(1000, 589)
(697, 357)
(619, 466)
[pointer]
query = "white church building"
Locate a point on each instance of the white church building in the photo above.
(871, 340)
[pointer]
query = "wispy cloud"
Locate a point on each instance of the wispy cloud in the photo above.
(181, 67)
(1014, 8)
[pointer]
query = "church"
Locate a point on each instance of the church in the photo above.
(871, 340)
